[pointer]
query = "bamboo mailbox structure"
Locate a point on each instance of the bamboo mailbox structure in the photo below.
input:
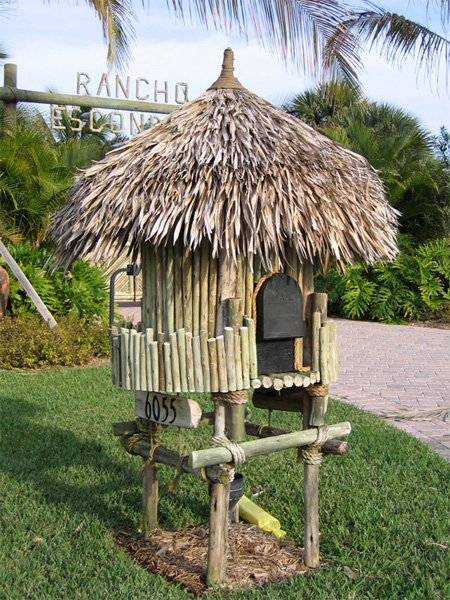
(229, 202)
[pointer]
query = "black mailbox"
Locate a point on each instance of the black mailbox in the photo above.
(279, 309)
(279, 320)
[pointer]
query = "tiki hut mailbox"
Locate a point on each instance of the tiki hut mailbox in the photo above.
(229, 202)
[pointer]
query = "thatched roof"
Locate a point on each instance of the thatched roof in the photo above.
(231, 168)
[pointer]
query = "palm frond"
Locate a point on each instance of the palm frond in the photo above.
(312, 33)
(398, 38)
(117, 18)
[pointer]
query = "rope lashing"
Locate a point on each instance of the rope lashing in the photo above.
(317, 390)
(238, 397)
(312, 453)
(176, 479)
(224, 473)
(233, 447)
(148, 432)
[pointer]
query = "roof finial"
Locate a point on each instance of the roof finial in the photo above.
(226, 79)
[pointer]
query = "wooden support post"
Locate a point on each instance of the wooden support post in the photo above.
(319, 317)
(310, 501)
(216, 571)
(10, 108)
(150, 498)
(218, 515)
(35, 299)
(308, 289)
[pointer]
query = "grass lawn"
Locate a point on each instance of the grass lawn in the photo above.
(67, 485)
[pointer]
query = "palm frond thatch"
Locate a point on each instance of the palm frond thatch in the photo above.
(231, 168)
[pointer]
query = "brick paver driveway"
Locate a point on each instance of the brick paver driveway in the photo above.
(385, 368)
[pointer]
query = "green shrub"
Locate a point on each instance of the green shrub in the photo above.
(81, 291)
(26, 342)
(414, 286)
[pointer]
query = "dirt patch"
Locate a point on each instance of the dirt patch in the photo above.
(255, 558)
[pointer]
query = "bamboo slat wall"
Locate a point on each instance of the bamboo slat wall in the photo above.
(185, 363)
(182, 349)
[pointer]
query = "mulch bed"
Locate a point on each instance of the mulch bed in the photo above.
(255, 558)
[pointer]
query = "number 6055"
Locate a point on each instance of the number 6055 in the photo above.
(161, 410)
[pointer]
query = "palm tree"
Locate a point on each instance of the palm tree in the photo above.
(394, 143)
(36, 172)
(324, 37)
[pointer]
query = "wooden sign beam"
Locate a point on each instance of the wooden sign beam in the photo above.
(32, 294)
(215, 456)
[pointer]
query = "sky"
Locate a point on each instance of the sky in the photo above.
(51, 42)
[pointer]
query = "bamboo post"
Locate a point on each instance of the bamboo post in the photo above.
(196, 292)
(205, 360)
(226, 288)
(159, 299)
(124, 351)
(240, 280)
(133, 359)
(161, 375)
(212, 298)
(238, 362)
(113, 333)
(170, 290)
(190, 362)
(250, 324)
(142, 362)
(310, 501)
(147, 302)
(154, 354)
(181, 340)
(204, 285)
(198, 368)
(178, 274)
(213, 364)
(249, 287)
(148, 358)
(168, 367)
(230, 361)
(187, 288)
(233, 312)
(175, 363)
(222, 364)
(243, 334)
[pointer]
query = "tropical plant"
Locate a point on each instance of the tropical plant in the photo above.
(415, 286)
(80, 292)
(406, 156)
(31, 184)
(37, 168)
